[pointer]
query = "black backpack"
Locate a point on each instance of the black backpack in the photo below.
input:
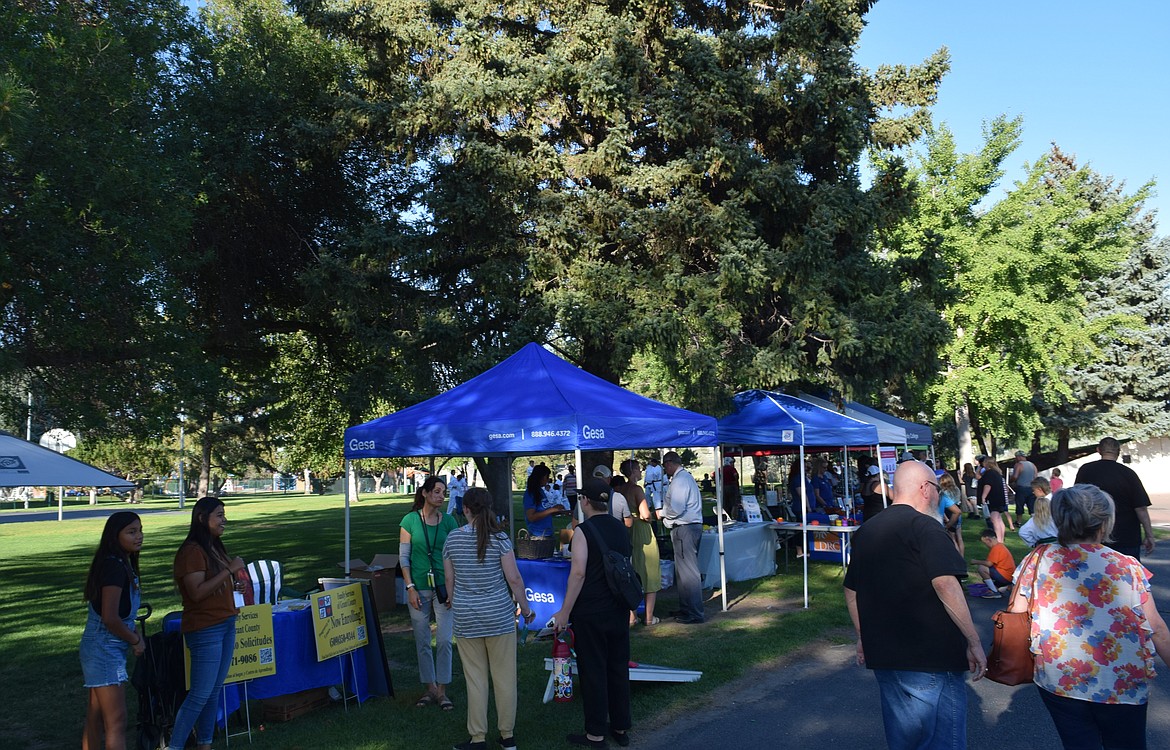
(623, 580)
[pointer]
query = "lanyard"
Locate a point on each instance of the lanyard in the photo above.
(427, 539)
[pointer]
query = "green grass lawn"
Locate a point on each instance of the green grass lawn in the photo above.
(43, 566)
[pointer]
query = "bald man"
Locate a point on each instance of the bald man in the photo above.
(1131, 502)
(913, 626)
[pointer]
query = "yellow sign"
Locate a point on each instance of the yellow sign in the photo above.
(255, 653)
(255, 650)
(340, 621)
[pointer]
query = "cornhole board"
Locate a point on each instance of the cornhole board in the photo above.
(639, 672)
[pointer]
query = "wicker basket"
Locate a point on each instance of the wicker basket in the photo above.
(534, 547)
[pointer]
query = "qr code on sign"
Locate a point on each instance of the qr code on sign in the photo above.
(361, 632)
(266, 656)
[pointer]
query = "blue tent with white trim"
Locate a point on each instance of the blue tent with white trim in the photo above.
(766, 418)
(533, 402)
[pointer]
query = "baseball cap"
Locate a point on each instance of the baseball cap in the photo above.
(873, 471)
(596, 489)
(602, 472)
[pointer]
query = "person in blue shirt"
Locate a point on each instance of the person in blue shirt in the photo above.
(824, 501)
(538, 517)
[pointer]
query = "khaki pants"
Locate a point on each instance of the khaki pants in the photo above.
(495, 655)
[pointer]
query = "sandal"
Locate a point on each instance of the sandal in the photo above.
(653, 621)
(446, 704)
(426, 700)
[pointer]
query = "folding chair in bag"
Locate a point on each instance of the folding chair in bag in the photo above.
(262, 584)
(159, 681)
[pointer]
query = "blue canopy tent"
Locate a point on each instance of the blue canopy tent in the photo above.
(891, 430)
(533, 402)
(767, 419)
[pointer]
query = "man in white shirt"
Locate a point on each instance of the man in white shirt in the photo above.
(682, 513)
(652, 481)
(456, 489)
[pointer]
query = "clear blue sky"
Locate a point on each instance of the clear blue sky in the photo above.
(1091, 77)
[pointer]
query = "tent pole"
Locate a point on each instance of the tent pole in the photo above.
(804, 522)
(579, 511)
(882, 477)
(848, 495)
(61, 503)
(349, 486)
(717, 452)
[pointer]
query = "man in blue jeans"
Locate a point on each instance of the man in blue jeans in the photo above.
(913, 626)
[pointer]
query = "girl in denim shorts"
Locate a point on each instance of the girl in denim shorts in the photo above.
(112, 592)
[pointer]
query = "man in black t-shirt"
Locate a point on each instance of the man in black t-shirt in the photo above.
(1131, 503)
(913, 626)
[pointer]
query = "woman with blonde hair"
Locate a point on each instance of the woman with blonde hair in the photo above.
(949, 499)
(645, 545)
(993, 494)
(1039, 529)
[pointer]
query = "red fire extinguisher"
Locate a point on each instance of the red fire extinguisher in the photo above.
(562, 652)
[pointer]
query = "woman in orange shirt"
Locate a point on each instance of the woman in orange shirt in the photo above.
(205, 576)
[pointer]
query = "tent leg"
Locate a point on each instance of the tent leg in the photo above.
(804, 523)
(350, 487)
(718, 455)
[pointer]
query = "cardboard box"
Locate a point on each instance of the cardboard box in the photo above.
(289, 707)
(381, 573)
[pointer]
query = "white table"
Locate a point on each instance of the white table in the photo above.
(825, 545)
(749, 552)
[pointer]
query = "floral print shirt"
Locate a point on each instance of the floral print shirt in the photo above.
(1089, 634)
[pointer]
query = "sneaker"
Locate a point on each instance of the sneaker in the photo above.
(508, 743)
(622, 738)
(581, 739)
(992, 594)
(469, 745)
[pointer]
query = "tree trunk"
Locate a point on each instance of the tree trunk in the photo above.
(963, 433)
(497, 477)
(308, 481)
(205, 466)
(1061, 446)
(590, 461)
(977, 432)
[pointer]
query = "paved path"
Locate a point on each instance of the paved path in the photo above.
(88, 511)
(820, 698)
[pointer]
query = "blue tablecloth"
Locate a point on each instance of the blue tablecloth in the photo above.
(544, 586)
(297, 667)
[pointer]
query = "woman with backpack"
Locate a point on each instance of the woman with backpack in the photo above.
(600, 621)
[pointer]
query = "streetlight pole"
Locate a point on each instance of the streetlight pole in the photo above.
(182, 453)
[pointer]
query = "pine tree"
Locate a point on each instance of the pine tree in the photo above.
(669, 178)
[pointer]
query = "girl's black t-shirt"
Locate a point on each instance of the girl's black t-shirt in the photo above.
(115, 571)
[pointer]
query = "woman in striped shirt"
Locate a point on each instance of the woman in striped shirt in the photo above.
(486, 591)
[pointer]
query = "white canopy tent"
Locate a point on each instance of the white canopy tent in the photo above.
(25, 464)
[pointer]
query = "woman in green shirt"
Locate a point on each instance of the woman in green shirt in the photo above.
(421, 537)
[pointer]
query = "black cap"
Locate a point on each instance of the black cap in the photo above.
(596, 489)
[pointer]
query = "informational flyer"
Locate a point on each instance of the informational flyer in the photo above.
(339, 623)
(255, 650)
(255, 654)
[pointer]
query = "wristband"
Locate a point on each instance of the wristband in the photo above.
(410, 586)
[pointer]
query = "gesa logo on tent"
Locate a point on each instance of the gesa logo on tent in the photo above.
(361, 445)
(590, 433)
